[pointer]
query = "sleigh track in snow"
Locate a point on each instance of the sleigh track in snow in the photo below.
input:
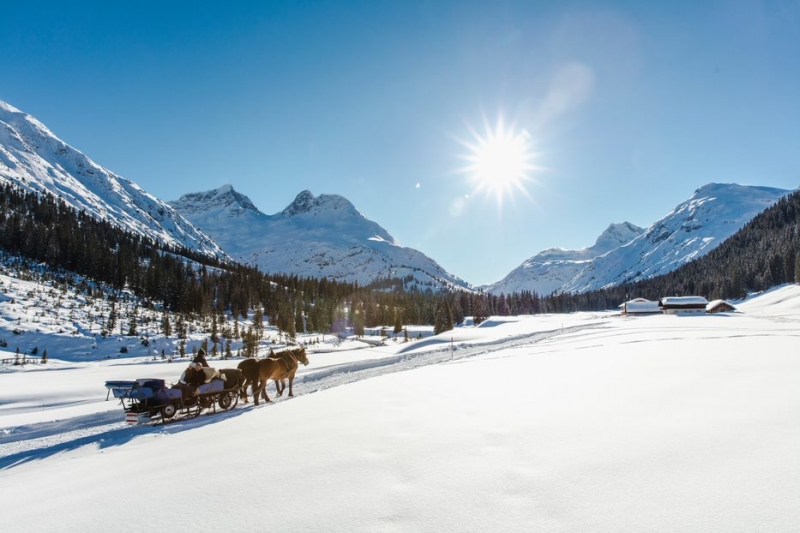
(22, 444)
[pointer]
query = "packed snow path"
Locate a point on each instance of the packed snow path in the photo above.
(35, 441)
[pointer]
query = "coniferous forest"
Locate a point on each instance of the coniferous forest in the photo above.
(40, 230)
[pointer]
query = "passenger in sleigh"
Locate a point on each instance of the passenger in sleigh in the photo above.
(201, 358)
(214, 380)
(191, 379)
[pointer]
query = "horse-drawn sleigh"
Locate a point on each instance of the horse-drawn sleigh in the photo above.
(152, 399)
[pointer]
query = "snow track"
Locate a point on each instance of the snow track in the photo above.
(22, 444)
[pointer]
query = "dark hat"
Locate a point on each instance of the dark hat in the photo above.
(201, 352)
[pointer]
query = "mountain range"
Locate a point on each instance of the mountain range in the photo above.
(326, 236)
(626, 253)
(314, 236)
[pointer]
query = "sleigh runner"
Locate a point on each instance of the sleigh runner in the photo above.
(150, 398)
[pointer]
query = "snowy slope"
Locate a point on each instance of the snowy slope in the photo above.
(594, 422)
(323, 236)
(695, 227)
(32, 157)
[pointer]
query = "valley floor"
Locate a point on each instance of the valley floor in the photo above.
(563, 423)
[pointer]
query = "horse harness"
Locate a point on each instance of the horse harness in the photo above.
(290, 365)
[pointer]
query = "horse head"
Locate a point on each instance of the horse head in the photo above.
(300, 354)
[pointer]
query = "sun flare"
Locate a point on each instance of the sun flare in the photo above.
(500, 161)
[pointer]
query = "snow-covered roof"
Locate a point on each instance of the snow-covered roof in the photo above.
(682, 300)
(640, 305)
(716, 303)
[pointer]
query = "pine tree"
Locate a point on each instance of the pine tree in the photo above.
(797, 267)
(214, 329)
(112, 318)
(443, 319)
(358, 324)
(166, 327)
(258, 322)
(132, 331)
(398, 324)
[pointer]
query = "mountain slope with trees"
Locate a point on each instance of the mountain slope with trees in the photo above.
(40, 232)
(34, 159)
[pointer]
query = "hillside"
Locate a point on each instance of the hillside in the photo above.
(33, 158)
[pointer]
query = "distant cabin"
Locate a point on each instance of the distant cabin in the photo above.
(683, 304)
(640, 306)
(719, 306)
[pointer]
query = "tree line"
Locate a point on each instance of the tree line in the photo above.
(44, 229)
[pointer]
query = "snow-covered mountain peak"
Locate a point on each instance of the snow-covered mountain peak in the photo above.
(322, 236)
(33, 158)
(13, 116)
(616, 235)
(302, 203)
(695, 227)
(307, 203)
(555, 267)
(225, 198)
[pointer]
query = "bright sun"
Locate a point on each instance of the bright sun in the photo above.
(500, 161)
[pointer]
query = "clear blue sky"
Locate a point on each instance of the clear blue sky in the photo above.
(628, 106)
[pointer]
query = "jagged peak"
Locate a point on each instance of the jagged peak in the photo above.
(618, 234)
(306, 202)
(223, 198)
(227, 192)
(615, 235)
(303, 202)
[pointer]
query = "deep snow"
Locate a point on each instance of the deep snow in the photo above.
(567, 423)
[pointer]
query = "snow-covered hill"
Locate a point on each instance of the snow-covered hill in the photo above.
(322, 236)
(32, 157)
(625, 253)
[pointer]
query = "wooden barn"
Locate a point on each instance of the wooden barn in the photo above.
(683, 304)
(719, 306)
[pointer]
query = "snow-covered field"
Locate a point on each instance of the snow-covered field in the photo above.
(562, 423)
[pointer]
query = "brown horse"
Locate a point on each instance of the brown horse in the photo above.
(251, 372)
(292, 357)
(249, 368)
(278, 367)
